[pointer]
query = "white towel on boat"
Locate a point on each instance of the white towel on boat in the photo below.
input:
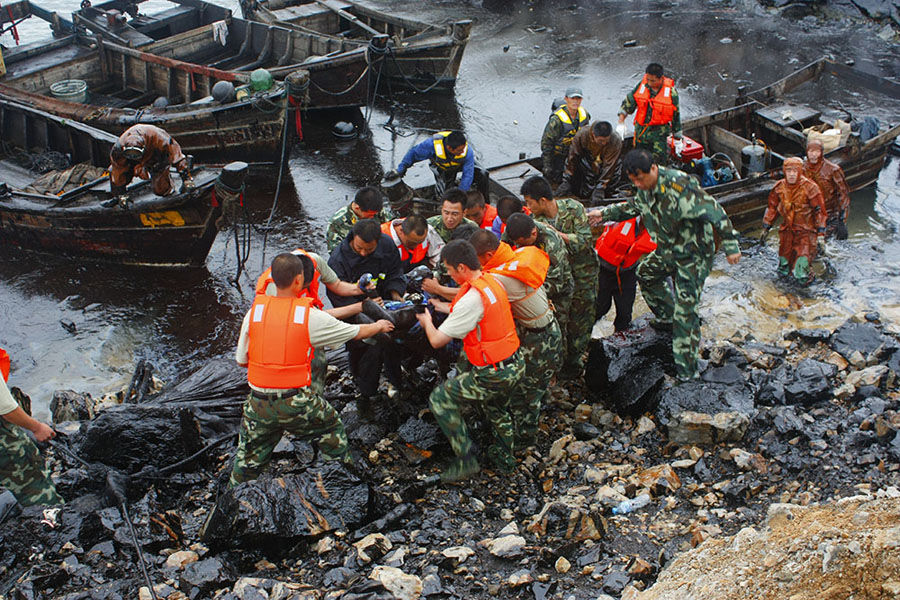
(220, 32)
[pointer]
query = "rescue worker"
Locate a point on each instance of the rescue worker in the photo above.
(655, 103)
(275, 344)
(559, 131)
(367, 250)
(522, 231)
(22, 469)
(568, 218)
(315, 271)
(830, 178)
(799, 203)
(480, 315)
(146, 151)
(619, 248)
(449, 155)
(478, 211)
(506, 206)
(683, 220)
(522, 272)
(452, 223)
(368, 203)
(417, 241)
(594, 165)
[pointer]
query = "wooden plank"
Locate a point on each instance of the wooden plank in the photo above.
(883, 138)
(179, 65)
(866, 80)
(786, 84)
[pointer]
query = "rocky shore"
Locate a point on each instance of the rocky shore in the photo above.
(775, 475)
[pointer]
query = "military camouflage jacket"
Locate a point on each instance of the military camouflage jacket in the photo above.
(343, 221)
(680, 217)
(558, 283)
(572, 220)
(438, 224)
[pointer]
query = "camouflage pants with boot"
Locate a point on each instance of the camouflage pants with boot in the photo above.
(654, 139)
(561, 307)
(318, 367)
(490, 390)
(682, 311)
(540, 352)
(306, 415)
(580, 322)
(22, 469)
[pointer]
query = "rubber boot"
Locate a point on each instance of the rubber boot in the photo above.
(783, 267)
(461, 467)
(801, 270)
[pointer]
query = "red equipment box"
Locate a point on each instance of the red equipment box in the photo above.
(693, 150)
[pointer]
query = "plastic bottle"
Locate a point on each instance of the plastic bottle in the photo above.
(626, 506)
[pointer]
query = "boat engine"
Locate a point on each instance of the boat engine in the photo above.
(229, 191)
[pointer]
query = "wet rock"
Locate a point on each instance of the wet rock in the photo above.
(508, 546)
(129, 437)
(865, 338)
(368, 590)
(272, 511)
(585, 431)
(562, 565)
(809, 383)
(180, 559)
(659, 479)
(68, 405)
(725, 375)
(869, 376)
(431, 585)
(205, 575)
(690, 427)
(420, 433)
(338, 576)
(372, 547)
(644, 425)
(697, 412)
(458, 553)
(615, 582)
(625, 371)
(400, 584)
(810, 336)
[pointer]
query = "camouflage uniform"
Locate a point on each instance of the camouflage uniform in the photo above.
(490, 390)
(653, 137)
(555, 149)
(559, 284)
(22, 469)
(306, 415)
(446, 234)
(540, 352)
(343, 221)
(683, 220)
(571, 220)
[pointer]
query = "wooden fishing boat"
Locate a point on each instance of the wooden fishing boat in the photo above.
(420, 56)
(767, 116)
(81, 219)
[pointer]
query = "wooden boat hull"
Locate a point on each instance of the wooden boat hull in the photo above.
(172, 231)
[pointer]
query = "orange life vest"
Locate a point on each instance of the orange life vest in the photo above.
(4, 364)
(310, 291)
(528, 264)
(279, 352)
(490, 212)
(413, 257)
(494, 339)
(661, 103)
(623, 244)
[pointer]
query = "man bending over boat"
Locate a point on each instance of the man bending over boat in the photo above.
(147, 151)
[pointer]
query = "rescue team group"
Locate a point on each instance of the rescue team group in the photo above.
(520, 284)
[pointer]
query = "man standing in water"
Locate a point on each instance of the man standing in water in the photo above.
(683, 220)
(829, 177)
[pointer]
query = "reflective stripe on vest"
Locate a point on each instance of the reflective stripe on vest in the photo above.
(414, 257)
(279, 352)
(4, 364)
(494, 339)
(662, 105)
(623, 244)
(441, 160)
(570, 128)
(310, 289)
(528, 264)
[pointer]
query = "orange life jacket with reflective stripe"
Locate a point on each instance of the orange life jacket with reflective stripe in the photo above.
(4, 364)
(442, 159)
(623, 244)
(490, 212)
(411, 258)
(494, 339)
(310, 291)
(279, 352)
(661, 103)
(528, 264)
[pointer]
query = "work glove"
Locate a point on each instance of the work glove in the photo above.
(620, 129)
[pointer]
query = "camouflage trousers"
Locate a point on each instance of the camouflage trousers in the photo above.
(561, 307)
(306, 415)
(580, 322)
(318, 367)
(490, 390)
(654, 138)
(687, 277)
(22, 469)
(540, 352)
